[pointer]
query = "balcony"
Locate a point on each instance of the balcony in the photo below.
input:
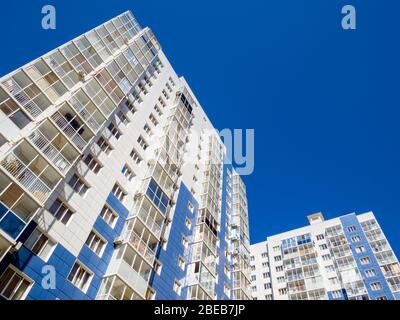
(141, 247)
(149, 216)
(27, 93)
(116, 288)
(54, 146)
(16, 208)
(72, 126)
(87, 110)
(30, 170)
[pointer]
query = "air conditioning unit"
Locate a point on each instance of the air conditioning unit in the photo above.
(118, 241)
(16, 247)
(137, 195)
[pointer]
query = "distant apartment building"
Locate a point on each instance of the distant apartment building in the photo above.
(112, 175)
(346, 258)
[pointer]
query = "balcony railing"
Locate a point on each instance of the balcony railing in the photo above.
(10, 223)
(106, 297)
(20, 95)
(130, 276)
(54, 155)
(69, 130)
(17, 169)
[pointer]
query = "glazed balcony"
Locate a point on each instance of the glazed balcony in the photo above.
(16, 208)
(149, 216)
(87, 110)
(31, 171)
(120, 287)
(27, 93)
(140, 246)
(46, 80)
(54, 146)
(72, 126)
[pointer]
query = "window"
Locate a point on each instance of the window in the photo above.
(333, 280)
(330, 268)
(264, 255)
(147, 129)
(153, 120)
(122, 117)
(109, 216)
(278, 258)
(381, 298)
(337, 294)
(135, 157)
(267, 285)
(282, 291)
(92, 163)
(266, 275)
(370, 273)
(360, 249)
(128, 173)
(158, 110)
(365, 260)
(280, 279)
(166, 95)
(279, 268)
(142, 143)
(276, 248)
(268, 297)
(323, 247)
(326, 257)
(104, 145)
(3, 140)
(12, 110)
(253, 288)
(61, 211)
(265, 264)
(96, 243)
(78, 185)
(114, 131)
(253, 268)
(157, 196)
(351, 229)
(188, 224)
(227, 290)
(118, 192)
(181, 263)
(40, 244)
(80, 276)
(376, 286)
(185, 241)
(177, 287)
(320, 237)
(13, 285)
(157, 267)
(252, 258)
(355, 239)
(253, 278)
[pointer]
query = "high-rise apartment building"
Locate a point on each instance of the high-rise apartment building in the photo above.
(113, 181)
(346, 258)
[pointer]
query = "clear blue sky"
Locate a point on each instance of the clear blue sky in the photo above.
(324, 102)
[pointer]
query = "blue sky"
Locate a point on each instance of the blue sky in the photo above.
(324, 102)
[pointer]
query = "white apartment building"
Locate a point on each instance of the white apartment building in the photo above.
(112, 174)
(346, 258)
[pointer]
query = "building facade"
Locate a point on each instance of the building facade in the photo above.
(113, 182)
(346, 258)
